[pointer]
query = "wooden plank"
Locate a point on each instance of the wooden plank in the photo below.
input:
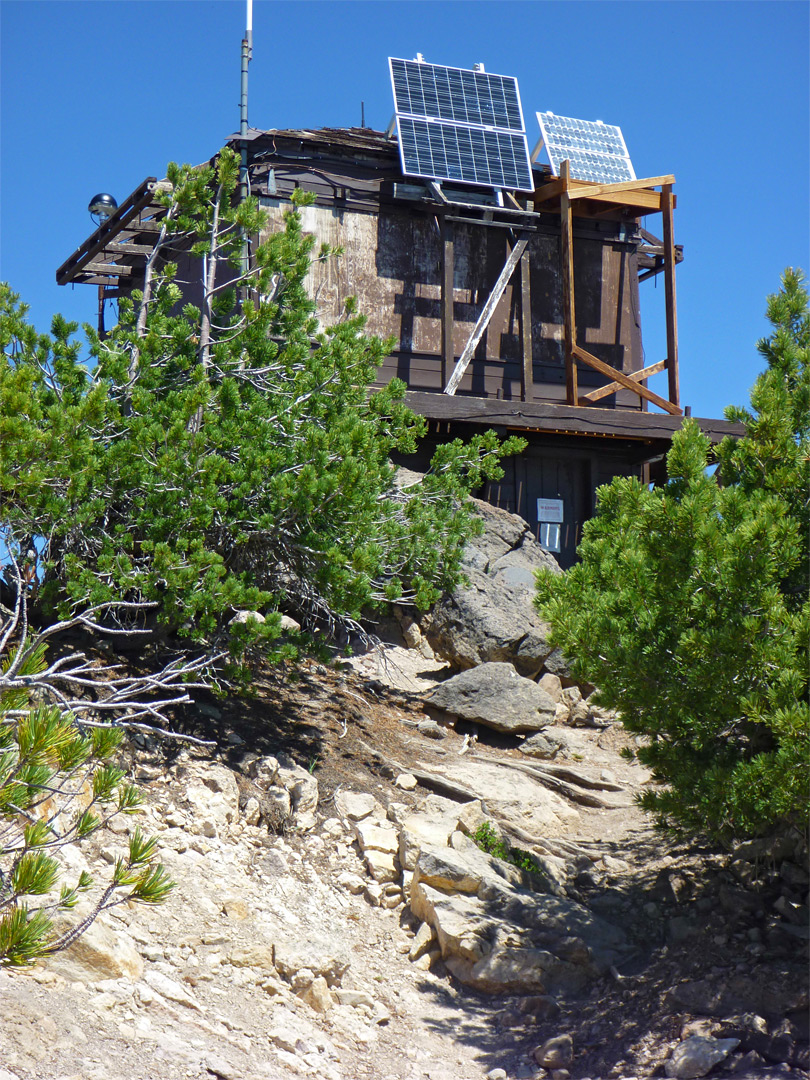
(625, 380)
(527, 376)
(582, 189)
(127, 249)
(636, 200)
(559, 419)
(448, 352)
(112, 269)
(487, 312)
(611, 388)
(549, 191)
(669, 296)
(569, 303)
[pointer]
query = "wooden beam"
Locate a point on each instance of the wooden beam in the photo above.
(127, 249)
(448, 353)
(487, 312)
(569, 303)
(669, 296)
(142, 227)
(583, 189)
(111, 269)
(527, 378)
(625, 380)
(611, 388)
(549, 191)
(559, 419)
(634, 200)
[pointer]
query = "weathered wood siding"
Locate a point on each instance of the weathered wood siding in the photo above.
(392, 263)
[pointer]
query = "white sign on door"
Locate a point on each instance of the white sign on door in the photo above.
(550, 510)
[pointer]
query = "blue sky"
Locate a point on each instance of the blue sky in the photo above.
(97, 95)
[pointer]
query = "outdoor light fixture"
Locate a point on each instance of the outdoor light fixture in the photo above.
(102, 207)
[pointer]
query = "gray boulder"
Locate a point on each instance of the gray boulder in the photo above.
(494, 694)
(493, 617)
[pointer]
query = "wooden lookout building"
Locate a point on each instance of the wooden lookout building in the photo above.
(516, 310)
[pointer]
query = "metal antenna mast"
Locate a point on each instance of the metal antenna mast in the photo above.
(247, 52)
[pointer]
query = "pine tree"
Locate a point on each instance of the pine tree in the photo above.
(689, 608)
(227, 455)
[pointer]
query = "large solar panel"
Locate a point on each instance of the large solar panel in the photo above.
(461, 125)
(595, 150)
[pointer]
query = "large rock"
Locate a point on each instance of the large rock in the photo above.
(100, 953)
(493, 617)
(494, 694)
(499, 936)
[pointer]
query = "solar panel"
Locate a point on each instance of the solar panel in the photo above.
(461, 125)
(595, 150)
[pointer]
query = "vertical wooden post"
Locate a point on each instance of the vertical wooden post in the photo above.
(527, 377)
(667, 201)
(569, 306)
(101, 330)
(448, 353)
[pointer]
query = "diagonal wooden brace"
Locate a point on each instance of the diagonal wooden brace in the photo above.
(487, 313)
(624, 380)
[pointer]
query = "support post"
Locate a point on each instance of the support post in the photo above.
(448, 352)
(667, 205)
(527, 378)
(569, 305)
(101, 330)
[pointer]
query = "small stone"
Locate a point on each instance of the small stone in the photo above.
(496, 1074)
(221, 1068)
(695, 1056)
(355, 805)
(243, 617)
(252, 812)
(373, 893)
(353, 882)
(431, 729)
(560, 1074)
(355, 998)
(235, 908)
(406, 781)
(555, 1053)
(319, 996)
(425, 937)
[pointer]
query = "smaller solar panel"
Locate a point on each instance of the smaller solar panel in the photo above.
(595, 150)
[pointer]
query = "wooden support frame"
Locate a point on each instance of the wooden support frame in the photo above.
(487, 312)
(569, 191)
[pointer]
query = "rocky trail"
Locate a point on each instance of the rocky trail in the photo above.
(333, 917)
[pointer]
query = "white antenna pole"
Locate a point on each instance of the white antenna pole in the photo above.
(247, 52)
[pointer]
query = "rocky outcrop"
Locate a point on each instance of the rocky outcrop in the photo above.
(497, 933)
(492, 617)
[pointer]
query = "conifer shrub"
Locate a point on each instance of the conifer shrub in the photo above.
(689, 606)
(58, 786)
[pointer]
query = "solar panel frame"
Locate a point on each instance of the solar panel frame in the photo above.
(596, 151)
(460, 125)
